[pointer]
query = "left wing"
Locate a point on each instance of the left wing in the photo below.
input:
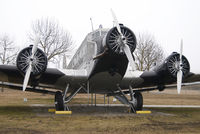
(161, 77)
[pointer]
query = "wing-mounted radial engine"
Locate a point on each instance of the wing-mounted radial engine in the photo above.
(116, 41)
(171, 66)
(38, 62)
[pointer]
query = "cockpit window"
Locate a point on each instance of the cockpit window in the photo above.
(98, 33)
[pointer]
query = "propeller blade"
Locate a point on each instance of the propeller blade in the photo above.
(180, 73)
(116, 22)
(34, 48)
(129, 56)
(26, 78)
(179, 80)
(181, 51)
(28, 71)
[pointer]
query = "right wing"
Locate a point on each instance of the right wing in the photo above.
(51, 78)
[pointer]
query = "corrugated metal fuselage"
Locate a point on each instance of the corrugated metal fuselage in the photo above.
(104, 72)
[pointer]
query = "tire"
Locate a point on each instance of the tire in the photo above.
(59, 104)
(139, 98)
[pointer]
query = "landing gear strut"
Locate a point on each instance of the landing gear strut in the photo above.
(136, 102)
(61, 99)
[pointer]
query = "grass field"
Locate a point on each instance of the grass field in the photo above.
(18, 117)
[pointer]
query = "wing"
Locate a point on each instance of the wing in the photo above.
(149, 81)
(51, 78)
(161, 77)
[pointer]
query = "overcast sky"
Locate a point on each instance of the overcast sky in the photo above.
(167, 20)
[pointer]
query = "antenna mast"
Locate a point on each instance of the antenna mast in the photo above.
(92, 24)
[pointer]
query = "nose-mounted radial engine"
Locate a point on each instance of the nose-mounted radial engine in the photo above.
(121, 40)
(116, 42)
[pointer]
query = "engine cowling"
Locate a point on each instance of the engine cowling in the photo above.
(170, 66)
(113, 42)
(39, 61)
(172, 63)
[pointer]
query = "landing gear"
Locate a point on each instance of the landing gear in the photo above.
(59, 103)
(136, 102)
(61, 99)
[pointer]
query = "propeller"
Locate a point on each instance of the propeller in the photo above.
(180, 72)
(125, 47)
(29, 69)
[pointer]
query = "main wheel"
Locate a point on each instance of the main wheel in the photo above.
(139, 99)
(59, 104)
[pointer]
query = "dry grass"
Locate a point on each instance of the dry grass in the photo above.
(14, 97)
(167, 97)
(170, 97)
(17, 117)
(37, 120)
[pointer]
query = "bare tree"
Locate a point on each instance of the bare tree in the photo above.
(8, 51)
(148, 52)
(54, 40)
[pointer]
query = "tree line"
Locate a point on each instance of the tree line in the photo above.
(55, 41)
